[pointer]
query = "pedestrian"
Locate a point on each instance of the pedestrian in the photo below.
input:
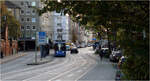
(1, 54)
(101, 54)
(47, 49)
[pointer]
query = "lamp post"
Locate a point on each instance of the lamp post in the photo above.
(24, 39)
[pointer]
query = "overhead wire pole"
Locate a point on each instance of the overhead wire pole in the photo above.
(35, 48)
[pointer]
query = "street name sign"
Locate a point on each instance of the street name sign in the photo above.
(41, 36)
(94, 39)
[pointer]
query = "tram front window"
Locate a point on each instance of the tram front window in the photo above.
(60, 46)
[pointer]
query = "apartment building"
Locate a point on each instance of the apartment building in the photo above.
(61, 27)
(29, 20)
(47, 24)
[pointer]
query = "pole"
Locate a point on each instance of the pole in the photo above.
(35, 48)
(24, 38)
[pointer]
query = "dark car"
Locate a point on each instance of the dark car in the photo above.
(95, 45)
(105, 52)
(74, 49)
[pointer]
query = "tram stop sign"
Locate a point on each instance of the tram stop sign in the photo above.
(94, 39)
(41, 36)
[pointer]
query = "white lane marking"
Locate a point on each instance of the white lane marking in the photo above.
(65, 72)
(84, 73)
(58, 80)
(50, 71)
(84, 67)
(34, 71)
(24, 69)
(17, 71)
(70, 75)
(79, 71)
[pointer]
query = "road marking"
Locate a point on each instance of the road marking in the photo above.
(70, 75)
(65, 72)
(79, 71)
(34, 67)
(85, 67)
(52, 70)
(36, 70)
(58, 80)
(84, 73)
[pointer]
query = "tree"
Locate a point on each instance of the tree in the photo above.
(13, 24)
(128, 21)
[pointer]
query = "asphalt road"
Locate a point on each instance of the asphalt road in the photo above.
(82, 66)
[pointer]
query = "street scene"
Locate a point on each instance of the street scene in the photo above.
(73, 67)
(62, 40)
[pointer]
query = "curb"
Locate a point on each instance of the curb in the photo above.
(13, 58)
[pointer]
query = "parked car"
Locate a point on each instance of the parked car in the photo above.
(95, 45)
(78, 46)
(105, 52)
(121, 61)
(115, 55)
(89, 45)
(83, 45)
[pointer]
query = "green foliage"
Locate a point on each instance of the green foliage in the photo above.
(125, 20)
(13, 24)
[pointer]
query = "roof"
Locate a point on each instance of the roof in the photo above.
(9, 4)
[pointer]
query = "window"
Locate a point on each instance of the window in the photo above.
(59, 30)
(33, 4)
(27, 3)
(58, 24)
(28, 19)
(33, 12)
(27, 12)
(22, 3)
(28, 34)
(28, 27)
(33, 28)
(22, 19)
(22, 12)
(22, 27)
(33, 19)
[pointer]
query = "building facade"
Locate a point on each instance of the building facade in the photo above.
(61, 27)
(47, 24)
(29, 20)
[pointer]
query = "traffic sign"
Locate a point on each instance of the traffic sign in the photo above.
(94, 39)
(41, 38)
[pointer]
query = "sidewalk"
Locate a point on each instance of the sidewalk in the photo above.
(47, 59)
(12, 57)
(104, 71)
